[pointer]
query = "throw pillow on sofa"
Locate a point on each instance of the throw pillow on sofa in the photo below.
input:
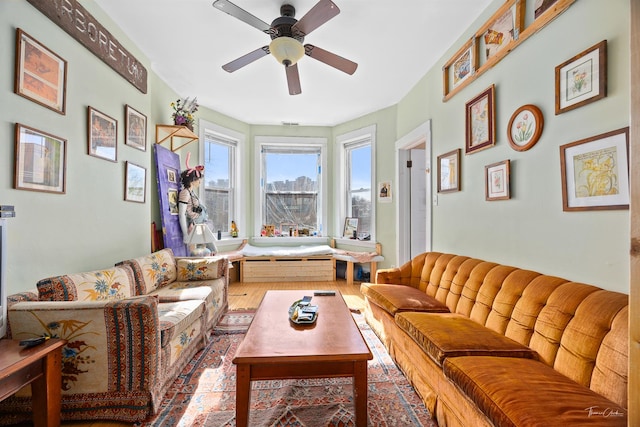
(152, 271)
(198, 269)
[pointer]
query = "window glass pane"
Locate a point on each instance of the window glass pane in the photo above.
(359, 190)
(292, 179)
(217, 172)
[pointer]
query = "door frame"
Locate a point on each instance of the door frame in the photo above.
(415, 138)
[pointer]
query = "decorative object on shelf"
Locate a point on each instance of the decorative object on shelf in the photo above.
(496, 181)
(234, 229)
(582, 79)
(135, 183)
(40, 161)
(268, 230)
(595, 172)
(136, 129)
(350, 228)
(41, 75)
(480, 121)
(183, 112)
(103, 132)
(461, 66)
(503, 29)
(449, 172)
(525, 127)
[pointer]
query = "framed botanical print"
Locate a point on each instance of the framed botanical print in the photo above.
(449, 172)
(40, 161)
(480, 121)
(103, 131)
(582, 79)
(525, 127)
(595, 172)
(41, 75)
(136, 128)
(496, 181)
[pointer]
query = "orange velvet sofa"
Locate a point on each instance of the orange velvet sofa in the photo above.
(486, 344)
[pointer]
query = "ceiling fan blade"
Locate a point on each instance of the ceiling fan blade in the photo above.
(241, 14)
(247, 59)
(323, 11)
(331, 59)
(293, 79)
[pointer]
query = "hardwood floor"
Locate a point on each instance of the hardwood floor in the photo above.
(249, 295)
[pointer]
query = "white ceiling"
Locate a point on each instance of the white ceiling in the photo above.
(394, 43)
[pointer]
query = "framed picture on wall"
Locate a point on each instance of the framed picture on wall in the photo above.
(136, 129)
(525, 127)
(103, 131)
(135, 183)
(595, 172)
(449, 172)
(41, 75)
(496, 181)
(480, 121)
(582, 79)
(40, 161)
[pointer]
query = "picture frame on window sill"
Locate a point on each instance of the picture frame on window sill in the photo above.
(136, 128)
(449, 172)
(525, 127)
(102, 135)
(480, 121)
(135, 183)
(41, 75)
(350, 230)
(582, 79)
(595, 172)
(40, 161)
(496, 181)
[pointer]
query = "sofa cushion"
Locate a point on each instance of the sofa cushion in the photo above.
(152, 271)
(443, 335)
(200, 268)
(399, 298)
(176, 317)
(519, 392)
(101, 285)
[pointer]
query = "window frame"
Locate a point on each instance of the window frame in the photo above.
(293, 142)
(236, 141)
(344, 143)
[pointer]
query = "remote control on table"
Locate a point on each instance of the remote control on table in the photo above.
(324, 293)
(32, 342)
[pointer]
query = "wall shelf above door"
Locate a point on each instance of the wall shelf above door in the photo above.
(171, 132)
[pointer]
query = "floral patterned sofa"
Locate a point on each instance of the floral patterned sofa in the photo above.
(130, 330)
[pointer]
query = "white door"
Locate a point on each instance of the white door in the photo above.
(418, 202)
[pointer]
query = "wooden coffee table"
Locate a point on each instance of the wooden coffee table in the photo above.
(276, 348)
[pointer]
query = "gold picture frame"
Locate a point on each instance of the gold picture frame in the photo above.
(525, 127)
(41, 75)
(40, 161)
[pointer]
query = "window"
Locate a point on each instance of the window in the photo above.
(219, 154)
(291, 183)
(357, 165)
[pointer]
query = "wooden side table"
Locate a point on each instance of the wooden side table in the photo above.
(39, 366)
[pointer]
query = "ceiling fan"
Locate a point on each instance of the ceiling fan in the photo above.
(287, 35)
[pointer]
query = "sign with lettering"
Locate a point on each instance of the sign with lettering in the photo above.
(72, 17)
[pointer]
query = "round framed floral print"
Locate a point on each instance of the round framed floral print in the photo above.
(525, 127)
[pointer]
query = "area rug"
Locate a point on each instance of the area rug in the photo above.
(204, 393)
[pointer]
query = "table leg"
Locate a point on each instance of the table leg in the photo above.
(243, 394)
(46, 391)
(360, 392)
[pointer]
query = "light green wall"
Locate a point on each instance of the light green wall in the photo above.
(531, 230)
(92, 227)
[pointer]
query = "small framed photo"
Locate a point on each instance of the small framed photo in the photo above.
(480, 121)
(40, 161)
(135, 183)
(384, 192)
(350, 230)
(459, 68)
(136, 129)
(41, 75)
(449, 172)
(525, 127)
(582, 79)
(595, 172)
(172, 197)
(172, 176)
(103, 131)
(496, 181)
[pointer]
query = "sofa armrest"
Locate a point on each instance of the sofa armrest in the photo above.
(112, 346)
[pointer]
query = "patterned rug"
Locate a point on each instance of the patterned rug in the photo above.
(204, 393)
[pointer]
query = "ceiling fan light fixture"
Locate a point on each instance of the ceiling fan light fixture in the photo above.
(286, 50)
